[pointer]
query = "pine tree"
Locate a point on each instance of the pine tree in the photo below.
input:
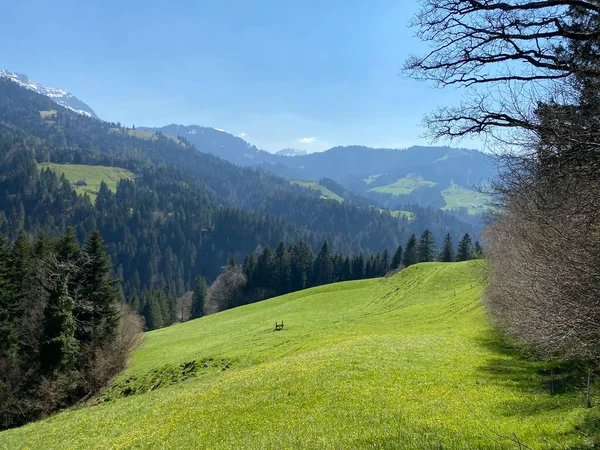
(465, 249)
(263, 276)
(323, 269)
(58, 346)
(397, 258)
(8, 329)
(426, 248)
(301, 266)
(67, 249)
(447, 253)
(384, 266)
(410, 252)
(358, 267)
(249, 267)
(199, 297)
(282, 270)
(346, 270)
(98, 309)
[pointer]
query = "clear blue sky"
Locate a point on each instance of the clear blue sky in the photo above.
(303, 74)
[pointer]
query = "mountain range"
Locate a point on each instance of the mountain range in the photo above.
(440, 177)
(57, 95)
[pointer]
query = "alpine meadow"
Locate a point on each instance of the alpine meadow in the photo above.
(248, 241)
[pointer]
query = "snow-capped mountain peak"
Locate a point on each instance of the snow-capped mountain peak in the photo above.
(292, 152)
(59, 96)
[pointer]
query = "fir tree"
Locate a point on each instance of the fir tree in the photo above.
(447, 253)
(282, 270)
(426, 248)
(199, 297)
(410, 252)
(397, 258)
(98, 312)
(465, 249)
(58, 346)
(323, 269)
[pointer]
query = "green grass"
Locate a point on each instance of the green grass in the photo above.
(403, 186)
(325, 193)
(92, 175)
(399, 213)
(371, 179)
(459, 197)
(407, 362)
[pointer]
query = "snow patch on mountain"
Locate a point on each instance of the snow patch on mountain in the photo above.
(292, 152)
(59, 96)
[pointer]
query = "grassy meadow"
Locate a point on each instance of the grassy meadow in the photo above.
(405, 362)
(403, 186)
(92, 175)
(459, 197)
(325, 192)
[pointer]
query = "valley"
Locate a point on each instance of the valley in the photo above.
(408, 361)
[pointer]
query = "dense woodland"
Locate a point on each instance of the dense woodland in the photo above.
(63, 330)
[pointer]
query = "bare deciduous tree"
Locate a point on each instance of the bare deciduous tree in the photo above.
(531, 74)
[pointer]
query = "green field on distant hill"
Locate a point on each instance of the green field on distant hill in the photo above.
(92, 175)
(403, 186)
(459, 197)
(325, 192)
(405, 362)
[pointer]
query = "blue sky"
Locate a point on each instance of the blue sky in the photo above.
(302, 74)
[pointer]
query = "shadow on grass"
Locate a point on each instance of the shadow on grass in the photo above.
(518, 368)
(544, 385)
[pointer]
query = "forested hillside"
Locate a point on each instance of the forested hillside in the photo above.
(184, 214)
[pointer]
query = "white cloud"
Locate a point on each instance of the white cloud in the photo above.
(307, 140)
(242, 135)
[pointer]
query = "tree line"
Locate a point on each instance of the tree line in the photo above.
(268, 273)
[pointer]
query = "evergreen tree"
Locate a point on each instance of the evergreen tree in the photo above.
(199, 297)
(249, 267)
(358, 267)
(98, 311)
(426, 247)
(384, 263)
(465, 249)
(58, 346)
(8, 307)
(410, 252)
(397, 258)
(67, 249)
(301, 266)
(263, 275)
(323, 268)
(447, 253)
(282, 270)
(346, 270)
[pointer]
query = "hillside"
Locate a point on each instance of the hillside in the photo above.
(90, 177)
(404, 362)
(392, 177)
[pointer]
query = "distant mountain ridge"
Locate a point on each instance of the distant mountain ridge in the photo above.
(425, 176)
(59, 96)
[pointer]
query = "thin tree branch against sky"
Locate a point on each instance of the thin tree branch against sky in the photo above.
(283, 74)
